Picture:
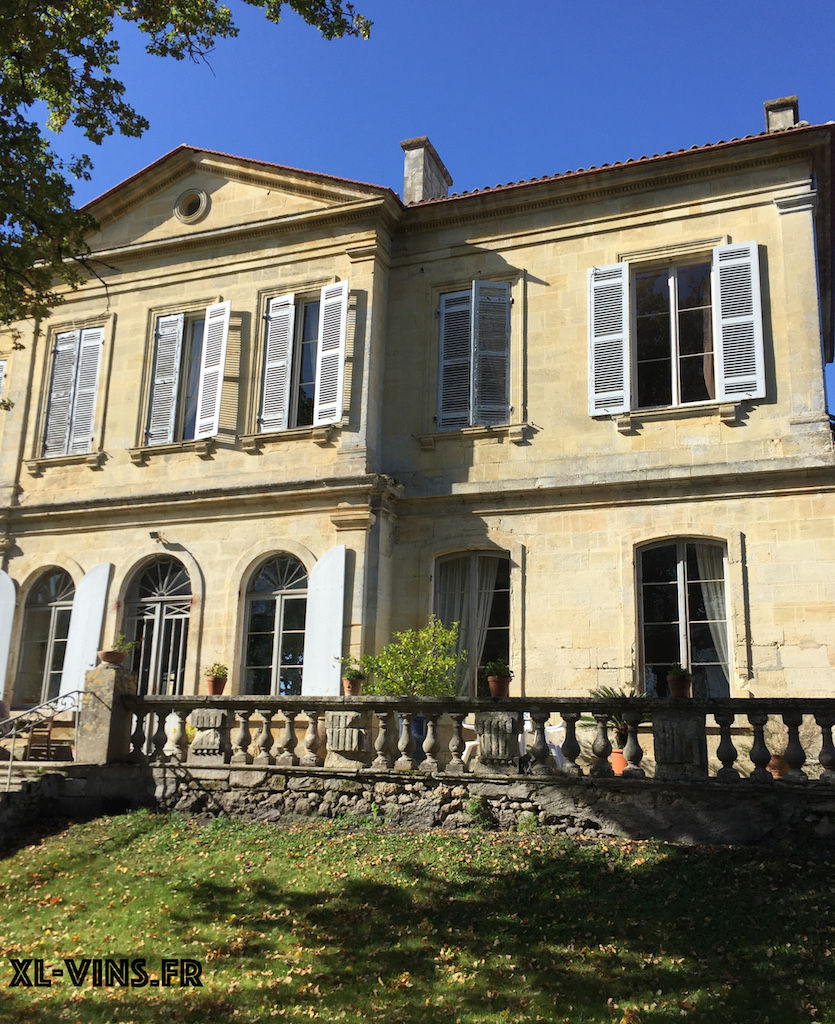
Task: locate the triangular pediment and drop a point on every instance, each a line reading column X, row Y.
column 190, row 191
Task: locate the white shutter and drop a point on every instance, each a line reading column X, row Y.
column 454, row 361
column 322, row 670
column 278, row 362
column 169, row 341
column 86, row 620
column 212, row 364
column 609, row 356
column 86, row 387
column 2, row 375
column 491, row 350
column 7, row 607
column 62, row 385
column 740, row 364
column 330, row 354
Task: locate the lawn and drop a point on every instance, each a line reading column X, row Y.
column 341, row 921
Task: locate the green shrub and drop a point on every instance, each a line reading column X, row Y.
column 417, row 663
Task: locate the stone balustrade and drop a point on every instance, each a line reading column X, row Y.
column 375, row 733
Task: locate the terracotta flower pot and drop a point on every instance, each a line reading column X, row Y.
column 778, row 766
column 113, row 657
column 351, row 687
column 499, row 685
column 215, row 685
column 619, row 762
column 679, row 686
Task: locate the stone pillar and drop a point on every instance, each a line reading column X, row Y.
column 210, row 745
column 498, row 743
column 424, row 174
column 680, row 746
column 104, row 724
column 349, row 738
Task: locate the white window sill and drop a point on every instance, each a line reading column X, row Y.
column 632, row 421
column 322, row 435
column 202, row 448
column 514, row 432
column 94, row 460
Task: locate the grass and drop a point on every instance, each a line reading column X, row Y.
column 340, row 922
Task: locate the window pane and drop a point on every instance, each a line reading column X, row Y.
column 696, row 378
column 290, row 682
column 702, row 648
column 693, row 286
column 662, row 644
column 195, row 354
column 261, row 616
column 652, row 292
column 660, row 602
column 655, row 386
column 294, row 613
column 259, row 649
column 658, row 565
column 292, row 649
column 258, row 681
column 652, row 338
column 695, row 334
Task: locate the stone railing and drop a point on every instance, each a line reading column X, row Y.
column 376, row 734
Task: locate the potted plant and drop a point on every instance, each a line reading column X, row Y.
column 216, row 678
column 499, row 674
column 678, row 680
column 417, row 663
column 352, row 676
column 118, row 653
column 617, row 722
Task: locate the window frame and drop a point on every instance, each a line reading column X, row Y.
column 55, row 607
column 166, row 412
column 281, row 597
column 79, row 429
column 280, row 358
column 737, row 326
column 163, row 612
column 479, row 412
column 685, row 620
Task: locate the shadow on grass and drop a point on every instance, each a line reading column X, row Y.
column 486, row 927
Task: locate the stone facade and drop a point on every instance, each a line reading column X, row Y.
column 562, row 500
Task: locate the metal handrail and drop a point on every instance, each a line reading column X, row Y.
column 26, row 721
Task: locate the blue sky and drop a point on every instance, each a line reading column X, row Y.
column 504, row 91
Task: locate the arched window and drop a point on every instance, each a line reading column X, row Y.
column 473, row 589
column 158, row 605
column 683, row 615
column 46, row 625
column 276, row 607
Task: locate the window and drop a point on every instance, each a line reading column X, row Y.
column 276, row 606
column 70, row 414
column 46, row 626
column 158, row 605
column 683, row 615
column 474, row 590
column 676, row 334
column 473, row 364
column 187, row 380
column 304, row 359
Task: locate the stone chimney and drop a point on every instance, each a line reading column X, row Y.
column 781, row 114
column 424, row 174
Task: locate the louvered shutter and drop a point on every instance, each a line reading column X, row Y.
column 8, row 598
column 455, row 354
column 323, row 626
column 330, row 354
column 62, row 385
column 609, row 357
column 491, row 351
column 740, row 364
column 212, row 364
column 278, row 362
column 2, row 375
column 169, row 341
column 86, row 388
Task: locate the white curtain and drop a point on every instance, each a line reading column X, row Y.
column 711, row 562
column 452, row 605
column 487, row 570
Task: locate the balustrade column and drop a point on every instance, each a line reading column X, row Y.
column 177, row 746
column 288, row 757
column 137, row 753
column 382, row 743
column 540, row 751
column 726, row 751
column 827, row 754
column 430, row 745
column 794, row 753
column 601, row 748
column 456, row 745
column 311, row 741
column 760, row 755
column 405, row 744
column 264, row 740
column 632, row 749
column 160, row 739
column 241, row 739
column 570, row 746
